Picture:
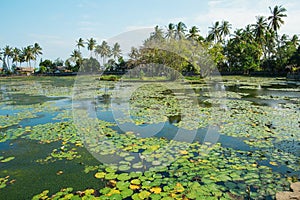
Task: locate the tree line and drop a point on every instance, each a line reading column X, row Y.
column 256, row 47
column 11, row 57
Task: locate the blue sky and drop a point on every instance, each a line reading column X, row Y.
column 57, row 24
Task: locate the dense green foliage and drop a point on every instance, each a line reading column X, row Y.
column 257, row 47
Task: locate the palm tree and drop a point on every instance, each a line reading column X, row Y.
column 157, row 34
column 80, row 43
column 116, row 51
column 133, row 57
column 91, row 44
column 295, row 40
column 277, row 13
column 16, row 56
column 260, row 29
column 214, row 32
column 180, row 29
column 7, row 53
column 103, row 50
column 28, row 55
column 170, row 31
column 76, row 55
column 193, row 33
column 224, row 30
column 36, row 50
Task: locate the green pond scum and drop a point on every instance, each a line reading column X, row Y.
column 43, row 152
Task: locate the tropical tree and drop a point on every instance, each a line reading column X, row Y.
column 28, row 55
column 276, row 18
column 36, row 50
column 80, row 43
column 116, row 51
column 170, row 31
column 259, row 29
column 180, row 30
column 16, row 56
column 295, row 40
column 133, row 57
column 224, row 30
column 193, row 33
column 77, row 59
column 91, row 44
column 103, row 50
column 157, row 34
column 7, row 53
column 214, row 33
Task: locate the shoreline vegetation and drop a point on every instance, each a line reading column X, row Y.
column 256, row 50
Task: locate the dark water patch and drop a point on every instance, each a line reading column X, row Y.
column 32, row 178
column 26, row 99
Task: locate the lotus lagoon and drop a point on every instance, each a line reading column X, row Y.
column 233, row 137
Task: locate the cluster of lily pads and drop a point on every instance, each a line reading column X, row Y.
column 136, row 167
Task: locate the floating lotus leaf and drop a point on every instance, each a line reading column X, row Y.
column 126, row 193
column 135, row 181
column 110, row 176
column 156, row 190
column 123, row 177
column 7, row 159
column 100, row 174
column 144, row 194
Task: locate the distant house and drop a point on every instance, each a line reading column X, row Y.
column 25, row 70
column 62, row 69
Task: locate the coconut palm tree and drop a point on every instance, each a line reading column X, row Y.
column 91, row 44
column 103, row 50
column 260, row 29
column 276, row 18
column 28, row 55
column 157, row 34
column 170, row 31
column 180, row 31
column 80, row 43
column 76, row 55
column 16, row 56
column 193, row 33
column 133, row 57
column 295, row 40
column 36, row 50
column 7, row 54
column 214, row 32
column 116, row 51
column 224, row 30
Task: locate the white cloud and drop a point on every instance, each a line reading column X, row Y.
column 243, row 12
